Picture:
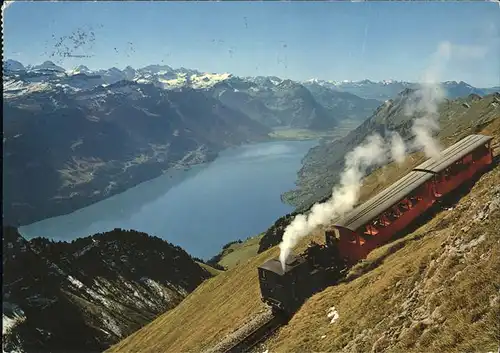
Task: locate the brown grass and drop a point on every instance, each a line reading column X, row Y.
column 240, row 252
column 216, row 308
column 450, row 294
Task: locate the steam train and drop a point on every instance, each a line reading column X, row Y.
column 372, row 224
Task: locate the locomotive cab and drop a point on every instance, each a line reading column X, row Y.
column 281, row 289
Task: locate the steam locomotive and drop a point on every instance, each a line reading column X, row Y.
column 372, row 224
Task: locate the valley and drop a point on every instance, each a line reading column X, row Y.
column 278, row 177
column 122, row 147
column 75, row 138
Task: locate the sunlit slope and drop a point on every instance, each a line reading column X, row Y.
column 222, row 304
column 436, row 290
column 218, row 307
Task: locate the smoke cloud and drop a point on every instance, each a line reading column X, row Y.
column 374, row 151
column 425, row 100
column 398, row 147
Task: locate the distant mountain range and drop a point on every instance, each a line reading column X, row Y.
column 272, row 101
column 166, row 77
column 389, row 89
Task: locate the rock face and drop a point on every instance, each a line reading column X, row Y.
column 90, row 293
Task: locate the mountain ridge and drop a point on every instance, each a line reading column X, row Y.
column 82, row 146
column 96, row 290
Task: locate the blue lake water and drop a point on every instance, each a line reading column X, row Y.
column 201, row 209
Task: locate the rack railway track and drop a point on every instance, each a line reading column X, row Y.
column 258, row 335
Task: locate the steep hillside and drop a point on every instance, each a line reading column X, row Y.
column 215, row 310
column 66, row 149
column 436, row 290
column 95, row 290
column 323, row 163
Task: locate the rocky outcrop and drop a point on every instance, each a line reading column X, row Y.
column 90, row 293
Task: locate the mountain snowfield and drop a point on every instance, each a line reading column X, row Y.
column 20, row 79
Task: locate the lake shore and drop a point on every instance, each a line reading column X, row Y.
column 143, row 173
column 234, row 196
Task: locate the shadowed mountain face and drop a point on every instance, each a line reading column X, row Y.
column 284, row 103
column 65, row 150
column 95, row 290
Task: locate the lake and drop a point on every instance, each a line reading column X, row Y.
column 200, row 209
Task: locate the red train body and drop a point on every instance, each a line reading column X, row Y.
column 380, row 218
column 373, row 223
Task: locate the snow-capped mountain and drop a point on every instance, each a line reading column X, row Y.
column 269, row 100
column 48, row 66
column 13, row 65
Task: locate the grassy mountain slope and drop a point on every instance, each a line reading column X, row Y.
column 224, row 303
column 233, row 253
column 436, row 290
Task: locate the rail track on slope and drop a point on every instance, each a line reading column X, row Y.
column 258, row 335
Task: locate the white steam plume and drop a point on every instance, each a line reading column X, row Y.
column 372, row 152
column 425, row 101
column 398, row 147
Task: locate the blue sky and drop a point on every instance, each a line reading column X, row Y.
column 297, row 40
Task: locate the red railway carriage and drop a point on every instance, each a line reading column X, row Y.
column 378, row 219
